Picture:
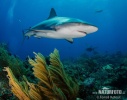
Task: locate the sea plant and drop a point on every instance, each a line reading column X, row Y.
column 7, row 59
column 53, row 82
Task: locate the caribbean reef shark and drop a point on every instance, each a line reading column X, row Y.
column 60, row 28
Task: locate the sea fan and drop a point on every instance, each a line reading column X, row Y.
column 20, row 89
column 54, row 83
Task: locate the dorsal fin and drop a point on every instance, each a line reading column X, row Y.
column 52, row 13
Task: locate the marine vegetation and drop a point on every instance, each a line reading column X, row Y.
column 18, row 67
column 13, row 61
column 7, row 59
column 53, row 82
column 49, row 78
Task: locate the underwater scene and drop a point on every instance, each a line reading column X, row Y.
column 63, row 50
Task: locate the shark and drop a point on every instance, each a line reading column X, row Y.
column 60, row 28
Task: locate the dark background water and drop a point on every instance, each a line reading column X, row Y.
column 16, row 15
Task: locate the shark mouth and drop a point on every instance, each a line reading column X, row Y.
column 83, row 32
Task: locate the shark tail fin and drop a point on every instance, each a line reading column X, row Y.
column 52, row 13
column 23, row 37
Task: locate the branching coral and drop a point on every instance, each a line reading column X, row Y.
column 54, row 83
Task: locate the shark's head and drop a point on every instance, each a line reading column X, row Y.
column 76, row 28
column 86, row 28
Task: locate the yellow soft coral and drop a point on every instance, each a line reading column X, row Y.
column 54, row 83
column 60, row 78
column 41, row 71
column 20, row 89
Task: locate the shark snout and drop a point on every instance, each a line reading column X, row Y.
column 91, row 29
column 86, row 29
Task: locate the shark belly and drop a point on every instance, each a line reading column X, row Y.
column 62, row 33
column 70, row 33
column 48, row 34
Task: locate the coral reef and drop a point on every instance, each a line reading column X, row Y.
column 7, row 59
column 17, row 66
column 98, row 71
column 47, row 78
column 53, row 82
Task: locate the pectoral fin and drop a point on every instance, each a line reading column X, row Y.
column 70, row 40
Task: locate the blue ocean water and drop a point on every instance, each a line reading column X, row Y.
column 110, row 16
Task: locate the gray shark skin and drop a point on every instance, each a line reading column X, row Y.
column 60, row 28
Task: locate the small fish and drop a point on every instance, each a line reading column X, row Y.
column 99, row 11
column 60, row 28
column 90, row 49
column 19, row 20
